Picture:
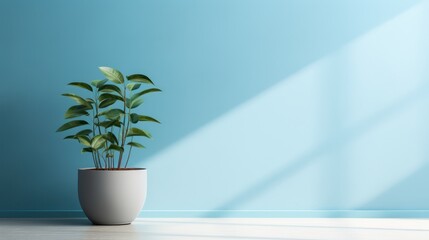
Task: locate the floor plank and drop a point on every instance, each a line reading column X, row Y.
column 219, row 228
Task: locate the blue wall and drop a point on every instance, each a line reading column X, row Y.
column 270, row 108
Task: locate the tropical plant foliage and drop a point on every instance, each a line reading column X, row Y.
column 107, row 120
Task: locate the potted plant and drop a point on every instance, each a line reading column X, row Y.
column 111, row 192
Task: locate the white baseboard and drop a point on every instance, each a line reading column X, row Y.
column 231, row 213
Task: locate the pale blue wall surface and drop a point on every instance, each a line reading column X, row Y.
column 267, row 105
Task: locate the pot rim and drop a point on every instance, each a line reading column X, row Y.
column 113, row 170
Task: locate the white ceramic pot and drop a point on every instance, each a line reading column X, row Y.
column 112, row 197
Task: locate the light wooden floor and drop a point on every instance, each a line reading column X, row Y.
column 219, row 228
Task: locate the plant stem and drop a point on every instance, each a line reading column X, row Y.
column 96, row 111
column 97, row 155
column 105, row 163
column 111, row 153
column 93, row 135
column 98, row 159
column 129, row 153
column 123, row 128
column 93, row 159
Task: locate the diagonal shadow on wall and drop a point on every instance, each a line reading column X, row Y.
column 411, row 191
column 198, row 103
column 330, row 146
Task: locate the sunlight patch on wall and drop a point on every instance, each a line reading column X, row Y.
column 387, row 86
column 332, row 136
column 245, row 145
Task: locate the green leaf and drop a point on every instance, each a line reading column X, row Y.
column 84, row 132
column 81, row 85
column 78, row 99
column 112, row 113
column 89, row 100
column 135, row 103
column 87, row 149
column 98, row 83
column 140, row 78
column 98, row 141
column 136, row 118
column 72, row 124
column 111, row 137
column 106, row 103
column 76, row 111
column 135, row 96
column 128, row 103
column 105, row 96
column 74, row 114
column 110, row 88
column 84, row 140
column 133, row 86
column 116, row 148
column 112, row 74
column 78, row 108
column 109, row 123
column 138, row 132
column 135, row 144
